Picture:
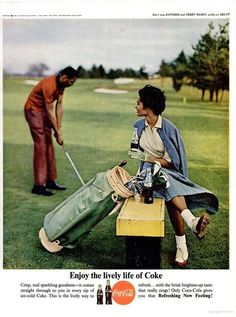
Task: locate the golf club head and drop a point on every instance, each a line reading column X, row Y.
column 123, row 163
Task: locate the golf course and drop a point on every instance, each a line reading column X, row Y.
column 97, row 129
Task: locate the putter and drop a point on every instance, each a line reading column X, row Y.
column 73, row 165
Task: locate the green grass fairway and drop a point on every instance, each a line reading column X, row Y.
column 97, row 129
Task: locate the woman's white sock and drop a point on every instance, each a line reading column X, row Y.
column 181, row 249
column 181, row 242
column 188, row 217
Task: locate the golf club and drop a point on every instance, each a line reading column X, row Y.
column 73, row 165
column 123, row 163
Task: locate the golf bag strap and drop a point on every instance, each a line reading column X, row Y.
column 117, row 177
column 119, row 203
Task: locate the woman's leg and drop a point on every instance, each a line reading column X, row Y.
column 175, row 218
column 179, row 213
column 197, row 225
column 179, row 203
column 180, row 238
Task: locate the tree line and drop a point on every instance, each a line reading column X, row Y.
column 37, row 70
column 207, row 68
column 100, row 72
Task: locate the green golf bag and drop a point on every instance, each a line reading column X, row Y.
column 79, row 213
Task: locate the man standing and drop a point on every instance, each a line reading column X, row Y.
column 43, row 112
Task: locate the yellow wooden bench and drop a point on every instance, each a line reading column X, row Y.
column 140, row 219
column 143, row 226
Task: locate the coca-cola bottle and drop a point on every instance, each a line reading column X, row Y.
column 99, row 295
column 148, row 187
column 108, row 293
column 134, row 141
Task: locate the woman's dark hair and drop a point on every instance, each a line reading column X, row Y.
column 70, row 72
column 153, row 98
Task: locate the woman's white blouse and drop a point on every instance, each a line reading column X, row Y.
column 151, row 142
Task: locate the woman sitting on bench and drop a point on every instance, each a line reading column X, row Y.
column 160, row 141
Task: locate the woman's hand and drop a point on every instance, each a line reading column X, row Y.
column 137, row 154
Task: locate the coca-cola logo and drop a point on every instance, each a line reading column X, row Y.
column 123, row 292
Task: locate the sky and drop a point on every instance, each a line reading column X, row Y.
column 114, row 43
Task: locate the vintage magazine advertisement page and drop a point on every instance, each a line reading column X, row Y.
column 117, row 158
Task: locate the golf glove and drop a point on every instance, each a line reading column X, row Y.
column 160, row 179
column 137, row 154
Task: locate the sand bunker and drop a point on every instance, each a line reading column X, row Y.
column 123, row 80
column 31, row 82
column 110, row 91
